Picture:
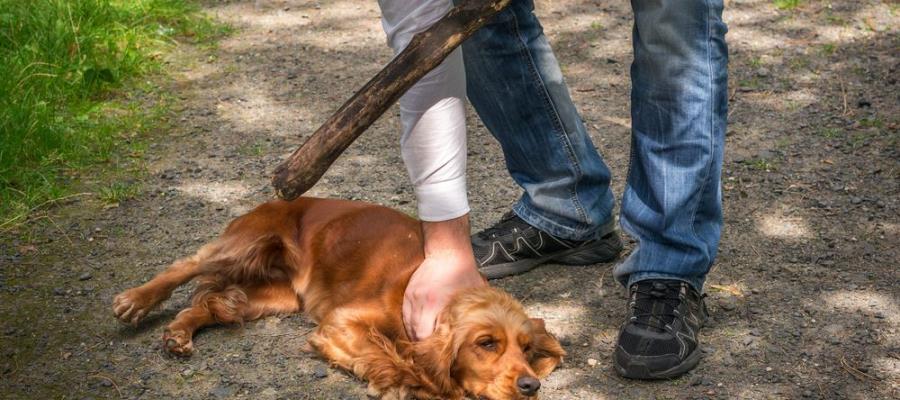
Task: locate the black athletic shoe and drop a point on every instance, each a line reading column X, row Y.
column 659, row 338
column 513, row 247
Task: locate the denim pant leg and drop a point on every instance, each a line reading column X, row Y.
column 673, row 202
column 517, row 88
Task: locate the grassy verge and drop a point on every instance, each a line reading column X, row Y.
column 74, row 98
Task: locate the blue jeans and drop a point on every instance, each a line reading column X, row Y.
column 672, row 202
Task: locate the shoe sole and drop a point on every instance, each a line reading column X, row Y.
column 638, row 370
column 605, row 250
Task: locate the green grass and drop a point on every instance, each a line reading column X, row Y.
column 786, row 4
column 74, row 97
column 760, row 164
column 118, row 192
column 830, row 133
column 755, row 62
column 872, row 122
column 256, row 149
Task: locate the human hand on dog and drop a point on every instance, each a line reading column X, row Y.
column 449, row 266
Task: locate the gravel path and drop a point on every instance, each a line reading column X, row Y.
column 805, row 296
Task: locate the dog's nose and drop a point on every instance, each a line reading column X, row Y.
column 528, row 386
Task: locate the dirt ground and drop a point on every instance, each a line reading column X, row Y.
column 805, row 295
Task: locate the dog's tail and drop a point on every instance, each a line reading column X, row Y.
column 245, row 260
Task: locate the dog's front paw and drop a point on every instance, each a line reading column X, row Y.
column 390, row 393
column 132, row 305
column 178, row 342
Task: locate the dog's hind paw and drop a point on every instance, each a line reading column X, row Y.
column 132, row 305
column 178, row 343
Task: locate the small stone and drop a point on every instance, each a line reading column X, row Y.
column 59, row 292
column 85, row 276
column 187, row 373
column 768, row 369
column 592, row 362
column 855, row 200
column 727, row 304
column 220, row 391
column 320, row 372
column 807, row 393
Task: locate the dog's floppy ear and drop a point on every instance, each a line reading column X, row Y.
column 547, row 352
column 436, row 355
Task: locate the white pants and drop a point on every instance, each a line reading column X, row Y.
column 432, row 115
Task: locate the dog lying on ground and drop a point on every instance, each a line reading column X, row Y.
column 346, row 264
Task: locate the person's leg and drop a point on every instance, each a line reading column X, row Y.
column 516, row 86
column 433, row 145
column 672, row 201
column 565, row 212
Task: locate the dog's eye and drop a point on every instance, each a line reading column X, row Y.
column 488, row 344
column 526, row 348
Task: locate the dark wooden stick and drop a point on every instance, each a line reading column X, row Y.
column 425, row 52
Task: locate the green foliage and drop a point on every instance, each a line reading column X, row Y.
column 755, row 62
column 786, row 4
column 118, row 192
column 871, row 122
column 64, row 66
column 830, row 133
column 761, row 164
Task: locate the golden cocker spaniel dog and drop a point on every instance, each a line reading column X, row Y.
column 346, row 264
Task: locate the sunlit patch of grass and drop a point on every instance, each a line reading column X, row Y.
column 70, row 97
column 118, row 192
column 786, row 4
column 761, row 164
column 828, row 49
column 596, row 25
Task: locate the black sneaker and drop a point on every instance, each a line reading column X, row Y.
column 513, row 247
column 659, row 338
